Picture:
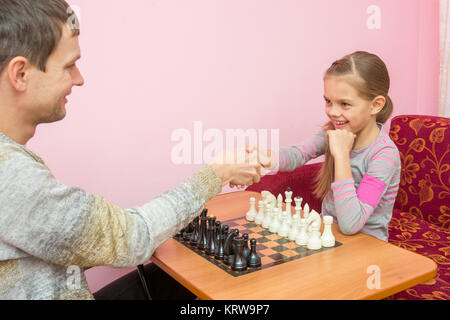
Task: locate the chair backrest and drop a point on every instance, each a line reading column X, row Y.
column 424, row 145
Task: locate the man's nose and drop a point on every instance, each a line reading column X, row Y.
column 78, row 79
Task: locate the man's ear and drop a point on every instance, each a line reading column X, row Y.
column 378, row 104
column 19, row 72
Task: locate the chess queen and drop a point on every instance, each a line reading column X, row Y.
column 360, row 177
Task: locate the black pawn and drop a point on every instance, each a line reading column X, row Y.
column 218, row 254
column 239, row 262
column 202, row 240
column 253, row 260
column 195, row 233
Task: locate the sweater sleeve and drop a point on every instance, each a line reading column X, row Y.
column 66, row 226
column 354, row 206
column 296, row 156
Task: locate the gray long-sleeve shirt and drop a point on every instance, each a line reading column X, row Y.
column 365, row 201
column 47, row 227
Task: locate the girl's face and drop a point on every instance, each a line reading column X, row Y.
column 345, row 108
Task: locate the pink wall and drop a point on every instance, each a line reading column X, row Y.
column 154, row 66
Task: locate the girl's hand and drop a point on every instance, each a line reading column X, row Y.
column 341, row 142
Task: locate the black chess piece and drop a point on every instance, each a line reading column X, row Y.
column 195, row 233
column 211, row 244
column 188, row 232
column 202, row 240
column 253, row 260
column 239, row 262
column 228, row 244
column 218, row 253
column 204, row 213
column 218, row 234
column 246, row 250
column 229, row 259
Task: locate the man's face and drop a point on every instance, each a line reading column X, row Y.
column 47, row 92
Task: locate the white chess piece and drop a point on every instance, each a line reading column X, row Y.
column 268, row 197
column 302, row 236
column 275, row 225
column 251, row 214
column 314, row 242
column 306, row 211
column 294, row 227
column 260, row 215
column 283, row 231
column 267, row 218
column 313, row 217
column 288, row 200
column 280, row 201
column 327, row 238
column 298, row 202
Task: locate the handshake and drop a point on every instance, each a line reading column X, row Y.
column 243, row 167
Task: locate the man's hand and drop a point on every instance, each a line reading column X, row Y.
column 237, row 167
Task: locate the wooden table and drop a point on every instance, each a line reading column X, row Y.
column 339, row 273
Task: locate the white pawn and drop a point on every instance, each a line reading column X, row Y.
column 260, row 215
column 283, row 231
column 327, row 238
column 294, row 227
column 275, row 225
column 251, row 214
column 302, row 237
column 267, row 218
column 314, row 242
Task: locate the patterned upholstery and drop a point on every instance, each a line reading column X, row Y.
column 421, row 216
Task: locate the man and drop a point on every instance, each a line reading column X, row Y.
column 46, row 226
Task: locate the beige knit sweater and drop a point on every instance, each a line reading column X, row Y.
column 48, row 229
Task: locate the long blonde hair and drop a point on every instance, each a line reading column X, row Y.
column 370, row 78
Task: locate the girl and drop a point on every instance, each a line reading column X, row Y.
column 361, row 173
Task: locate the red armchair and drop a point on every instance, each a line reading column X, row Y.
column 421, row 216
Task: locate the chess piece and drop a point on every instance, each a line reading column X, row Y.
column 327, row 238
column 239, row 262
column 268, row 197
column 195, row 233
column 260, row 215
column 253, row 260
column 313, row 217
column 288, row 201
column 275, row 224
column 218, row 253
column 280, row 202
column 298, row 202
column 211, row 243
column 202, row 240
column 251, row 214
column 314, row 242
column 227, row 246
column 268, row 217
column 306, row 211
column 294, row 229
column 302, row 236
column 246, row 250
column 283, row 230
column 218, row 234
column 188, row 231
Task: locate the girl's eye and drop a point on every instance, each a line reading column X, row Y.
column 345, row 104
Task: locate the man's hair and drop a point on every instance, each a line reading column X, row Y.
column 32, row 29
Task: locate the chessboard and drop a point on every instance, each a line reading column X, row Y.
column 272, row 248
